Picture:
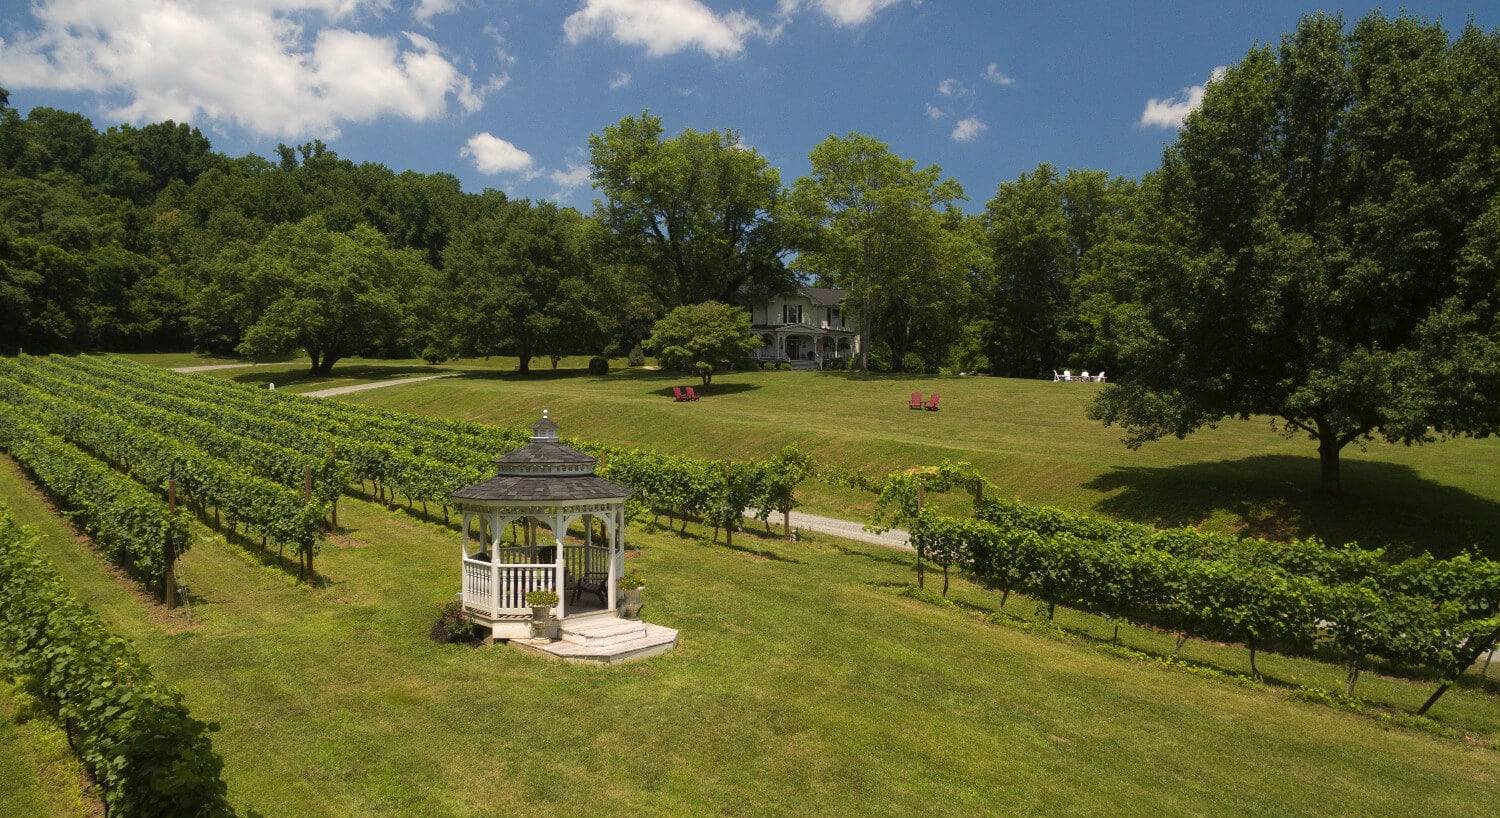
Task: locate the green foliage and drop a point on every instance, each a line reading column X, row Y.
column 306, row 287
column 133, row 733
column 453, row 623
column 277, row 512
column 1316, row 246
column 888, row 231
column 541, row 599
column 698, row 214
column 1294, row 596
column 702, row 338
column 1044, row 234
column 521, row 281
column 913, row 363
column 632, row 581
column 599, row 365
column 637, row 357
column 129, row 523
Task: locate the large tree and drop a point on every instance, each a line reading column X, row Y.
column 888, row 231
column 519, row 282
column 697, row 212
column 1322, row 244
column 306, row 287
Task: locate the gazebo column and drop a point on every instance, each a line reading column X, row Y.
column 496, row 530
column 615, row 533
column 562, row 564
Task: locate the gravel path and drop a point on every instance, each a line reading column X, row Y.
column 362, row 387
column 849, row 530
column 211, row 367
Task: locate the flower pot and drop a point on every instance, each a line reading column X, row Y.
column 543, row 624
column 632, row 607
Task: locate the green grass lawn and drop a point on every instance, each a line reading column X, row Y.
column 1031, row 437
column 803, row 683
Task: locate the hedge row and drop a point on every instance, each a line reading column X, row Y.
column 127, row 521
column 1220, row 598
column 133, row 733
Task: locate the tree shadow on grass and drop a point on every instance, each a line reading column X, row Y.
column 1384, row 505
column 706, row 392
column 377, row 372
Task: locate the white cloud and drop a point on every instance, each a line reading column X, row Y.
column 619, row 80
column 472, row 98
column 968, row 129
column 934, row 112
column 1172, row 112
column 664, row 26
column 492, row 155
column 501, row 52
column 574, row 176
column 277, row 67
column 843, row 12
column 424, row 10
column 993, row 74
column 953, row 88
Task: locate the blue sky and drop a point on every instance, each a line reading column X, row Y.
column 505, row 93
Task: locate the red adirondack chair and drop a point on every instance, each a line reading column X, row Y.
column 932, row 404
column 691, row 395
column 677, row 394
column 916, row 400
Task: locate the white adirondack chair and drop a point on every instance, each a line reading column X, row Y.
column 1086, row 377
column 1099, row 378
column 1055, row 377
column 1067, row 374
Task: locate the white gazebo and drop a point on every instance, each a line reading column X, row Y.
column 516, row 539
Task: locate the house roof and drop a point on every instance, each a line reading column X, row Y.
column 544, row 470
column 825, row 296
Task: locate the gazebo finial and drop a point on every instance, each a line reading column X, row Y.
column 544, row 429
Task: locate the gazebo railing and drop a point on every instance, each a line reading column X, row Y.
column 502, row 588
column 586, row 560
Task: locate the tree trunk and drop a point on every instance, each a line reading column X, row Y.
column 524, row 366
column 1254, row 671
column 1004, row 595
column 864, row 318
column 1328, row 459
column 1181, row 640
column 316, row 358
column 945, row 580
column 1431, row 700
column 1352, row 678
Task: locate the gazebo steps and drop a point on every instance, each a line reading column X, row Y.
column 605, row 641
column 601, row 632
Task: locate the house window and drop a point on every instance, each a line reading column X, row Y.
column 791, row 313
column 835, row 320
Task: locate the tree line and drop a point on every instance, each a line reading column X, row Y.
column 1320, row 245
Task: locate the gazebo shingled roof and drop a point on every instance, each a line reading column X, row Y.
column 544, row 470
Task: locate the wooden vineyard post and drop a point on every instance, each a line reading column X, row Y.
column 333, row 510
column 307, row 557
column 921, row 569
column 169, row 575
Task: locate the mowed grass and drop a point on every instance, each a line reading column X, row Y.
column 802, row 684
column 1032, row 438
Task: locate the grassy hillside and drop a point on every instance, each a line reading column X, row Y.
column 1030, row 437
column 803, row 683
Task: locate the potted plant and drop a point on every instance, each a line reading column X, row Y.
column 631, row 584
column 543, row 624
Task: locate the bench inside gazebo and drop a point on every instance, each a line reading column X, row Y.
column 546, row 522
